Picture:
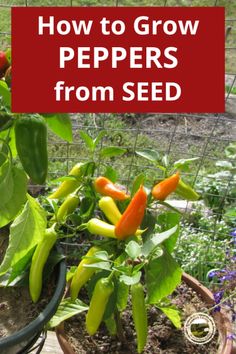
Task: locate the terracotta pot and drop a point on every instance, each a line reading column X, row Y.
column 221, row 319
column 223, row 323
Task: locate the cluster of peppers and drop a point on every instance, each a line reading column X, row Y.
column 43, row 249
column 122, row 226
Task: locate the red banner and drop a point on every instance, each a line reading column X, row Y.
column 125, row 59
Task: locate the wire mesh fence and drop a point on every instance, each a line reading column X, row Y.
column 179, row 136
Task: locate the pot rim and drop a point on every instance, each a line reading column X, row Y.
column 222, row 321
column 36, row 326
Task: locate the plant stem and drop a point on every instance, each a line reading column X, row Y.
column 223, row 301
column 120, row 331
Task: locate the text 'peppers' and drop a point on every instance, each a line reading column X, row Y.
column 161, row 190
column 133, row 215
column 31, row 145
column 101, row 294
column 82, row 274
column 104, row 186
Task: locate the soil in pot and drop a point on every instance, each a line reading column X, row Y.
column 16, row 307
column 163, row 337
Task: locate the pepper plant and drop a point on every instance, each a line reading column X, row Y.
column 130, row 252
column 131, row 236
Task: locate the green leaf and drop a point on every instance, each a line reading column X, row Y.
column 9, row 138
column 99, row 256
column 148, row 154
column 133, row 249
column 67, row 309
column 230, row 215
column 111, row 325
column 111, row 305
column 183, row 164
column 156, row 240
column 100, row 261
column 230, row 151
column 5, row 94
column 122, row 295
column 6, row 183
column 165, row 160
column 6, row 120
column 4, row 147
column 112, row 151
column 149, row 222
column 169, row 220
column 163, row 276
column 131, row 280
column 88, row 140
column 12, row 142
column 173, row 315
column 99, row 137
column 111, row 174
column 25, row 232
column 140, row 179
column 99, row 265
column 86, row 208
column 10, row 209
column 54, row 258
column 88, row 168
column 70, row 273
column 14, row 274
column 61, row 125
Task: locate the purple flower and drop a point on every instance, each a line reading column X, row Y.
column 231, row 336
column 217, row 309
column 227, row 277
column 212, row 274
column 218, row 296
column 233, row 233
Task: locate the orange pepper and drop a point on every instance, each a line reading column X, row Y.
column 161, row 190
column 132, row 216
column 105, row 187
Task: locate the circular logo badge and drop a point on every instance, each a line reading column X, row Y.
column 199, row 328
